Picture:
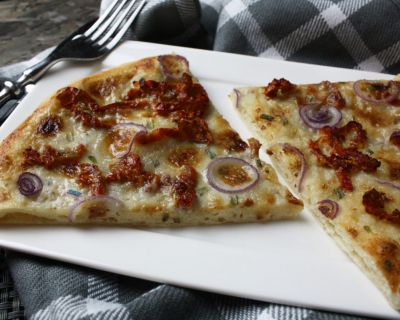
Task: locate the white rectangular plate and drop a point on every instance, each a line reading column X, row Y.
column 289, row 262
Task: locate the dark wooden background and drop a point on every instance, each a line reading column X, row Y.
column 29, row 26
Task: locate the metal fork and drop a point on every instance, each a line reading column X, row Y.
column 90, row 42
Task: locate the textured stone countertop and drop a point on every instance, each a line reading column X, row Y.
column 30, row 26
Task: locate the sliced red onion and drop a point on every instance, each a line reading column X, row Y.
column 389, row 183
column 358, row 90
column 328, row 208
column 169, row 72
column 123, row 125
column 395, row 137
column 317, row 116
column 107, row 202
column 218, row 184
column 238, row 96
column 29, row 184
column 303, row 168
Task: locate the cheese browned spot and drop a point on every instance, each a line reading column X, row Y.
column 230, row 140
column 50, row 125
column 374, row 204
column 233, row 175
column 255, row 146
column 181, row 156
column 387, row 255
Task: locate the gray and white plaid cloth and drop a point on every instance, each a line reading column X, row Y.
column 361, row 34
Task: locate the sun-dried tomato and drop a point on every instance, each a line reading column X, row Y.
column 183, row 187
column 51, row 158
column 89, row 175
column 129, row 169
column 276, row 86
column 374, row 204
column 345, row 160
column 181, row 95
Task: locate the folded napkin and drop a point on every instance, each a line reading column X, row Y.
column 362, row 34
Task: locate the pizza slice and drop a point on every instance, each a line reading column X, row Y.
column 142, row 145
column 338, row 146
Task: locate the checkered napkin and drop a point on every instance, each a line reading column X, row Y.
column 361, row 34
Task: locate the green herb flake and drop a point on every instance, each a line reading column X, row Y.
column 370, row 151
column 70, row 136
column 285, row 121
column 210, row 153
column 339, row 193
column 202, row 191
column 259, row 163
column 309, row 99
column 92, row 159
column 156, row 163
column 234, row 200
column 266, row 117
column 149, row 124
column 367, row 228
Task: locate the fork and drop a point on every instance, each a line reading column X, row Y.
column 88, row 43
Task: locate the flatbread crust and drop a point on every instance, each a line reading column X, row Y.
column 268, row 200
column 372, row 243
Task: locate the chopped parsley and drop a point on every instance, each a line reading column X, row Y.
column 156, row 163
column 309, row 99
column 266, row 117
column 70, row 136
column 149, row 124
column 370, row 151
column 367, row 228
column 210, row 153
column 92, row 159
column 234, row 200
column 202, row 191
column 259, row 163
column 339, row 193
column 285, row 121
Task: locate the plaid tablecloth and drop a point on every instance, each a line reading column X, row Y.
column 361, row 34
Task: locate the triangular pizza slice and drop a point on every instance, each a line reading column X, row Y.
column 338, row 146
column 139, row 144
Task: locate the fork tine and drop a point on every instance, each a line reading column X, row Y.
column 125, row 26
column 100, row 20
column 116, row 25
column 105, row 24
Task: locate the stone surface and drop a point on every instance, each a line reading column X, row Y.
column 30, row 26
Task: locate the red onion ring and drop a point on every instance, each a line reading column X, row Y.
column 168, row 72
column 392, row 96
column 317, row 116
column 388, row 183
column 114, row 202
column 29, row 184
column 328, row 208
column 125, row 125
column 220, row 185
column 394, row 137
column 238, row 96
column 303, row 169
